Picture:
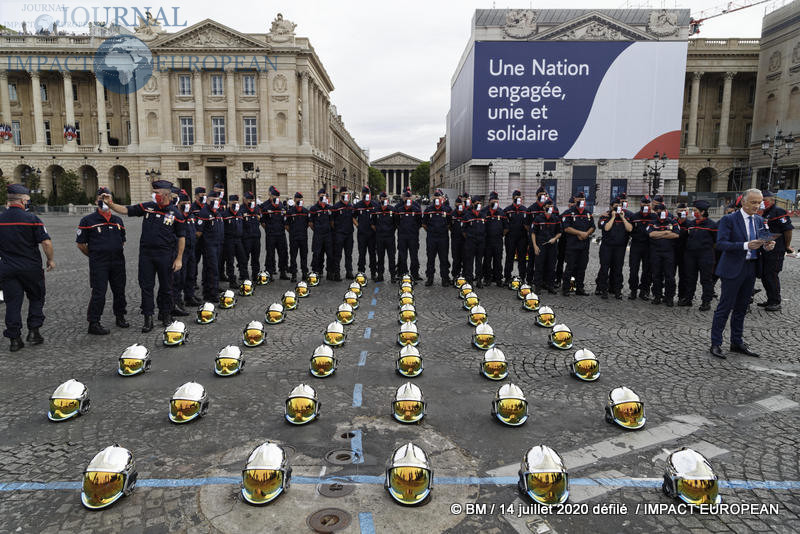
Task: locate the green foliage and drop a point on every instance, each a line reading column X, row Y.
column 34, row 182
column 3, row 192
column 69, row 190
column 376, row 180
column 421, row 178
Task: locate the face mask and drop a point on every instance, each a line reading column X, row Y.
column 408, row 203
column 367, row 197
column 494, row 205
column 203, row 199
column 154, row 196
column 220, row 193
column 436, row 202
column 645, row 209
column 186, row 208
column 236, row 207
column 618, row 209
column 683, row 215
column 697, row 215
column 624, row 205
column 517, row 201
column 102, row 205
column 550, row 210
column 27, row 205
column 582, row 204
column 385, row 202
column 468, row 203
column 542, row 199
column 663, row 215
column 276, row 200
column 762, row 206
column 216, row 204
column 252, row 205
column 346, row 198
column 175, row 201
column 477, row 207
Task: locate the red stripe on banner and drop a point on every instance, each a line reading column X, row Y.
column 668, row 143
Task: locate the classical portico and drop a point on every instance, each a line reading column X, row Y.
column 396, row 169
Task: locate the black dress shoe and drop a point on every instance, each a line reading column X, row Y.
column 96, row 329
column 716, row 350
column 16, row 344
column 499, row 283
column 581, row 293
column 429, row 282
column 148, row 324
column 643, row 295
column 445, row 282
column 284, row 276
column 705, row 306
column 121, row 322
column 632, row 296
column 763, row 304
column 350, row 276
column 179, row 312
column 478, row 284
column 669, row 303
column 618, row 296
column 773, row 308
column 393, row 279
column 34, row 336
column 743, row 349
column 565, row 293
column 552, row 290
column 166, row 320
column 684, row 302
column 598, row 292
column 656, row 301
column 192, row 301
column 294, row 277
column 603, row 295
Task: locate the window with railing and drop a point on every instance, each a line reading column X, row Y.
column 250, row 131
column 216, row 85
column 249, row 85
column 15, row 132
column 187, row 131
column 218, row 130
column 184, row 85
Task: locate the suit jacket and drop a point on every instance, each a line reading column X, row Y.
column 731, row 237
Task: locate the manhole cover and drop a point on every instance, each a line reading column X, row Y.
column 335, row 489
column 347, row 435
column 341, row 457
column 328, row 520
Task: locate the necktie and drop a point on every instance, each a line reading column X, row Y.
column 752, row 230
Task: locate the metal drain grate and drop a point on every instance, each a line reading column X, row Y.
column 335, row 489
column 341, row 457
column 328, row 520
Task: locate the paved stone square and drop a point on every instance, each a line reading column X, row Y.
column 742, row 413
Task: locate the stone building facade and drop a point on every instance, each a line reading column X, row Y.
column 396, row 169
column 219, row 106
column 439, row 165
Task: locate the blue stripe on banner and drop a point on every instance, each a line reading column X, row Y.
column 357, row 395
column 367, row 333
column 363, row 358
column 356, row 447
column 365, row 522
column 373, row 302
column 377, row 289
column 370, row 315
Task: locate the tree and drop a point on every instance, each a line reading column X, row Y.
column 376, row 180
column 421, row 178
column 69, row 190
column 3, row 191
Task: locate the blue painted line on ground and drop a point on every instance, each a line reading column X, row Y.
column 365, row 522
column 355, row 445
column 373, row 302
column 363, row 358
column 371, row 315
column 358, row 450
column 357, row 395
column 377, row 289
column 367, row 333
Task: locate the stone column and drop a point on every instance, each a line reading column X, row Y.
column 5, row 98
column 199, row 113
column 263, row 107
column 166, row 110
column 725, row 114
column 232, row 128
column 312, row 114
column 133, row 116
column 304, row 90
column 102, row 133
column 691, row 142
column 326, row 125
column 38, row 117
column 69, row 108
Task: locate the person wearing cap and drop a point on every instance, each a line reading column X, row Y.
column 496, row 225
column 435, row 220
column 101, row 237
column 160, row 248
column 21, row 274
column 662, row 230
column 273, row 219
column 343, row 215
column 182, row 287
column 251, row 234
column 233, row 249
column 473, row 228
column 297, row 218
column 639, row 256
column 210, row 232
column 200, row 198
column 320, row 218
column 409, row 222
column 779, row 225
column 578, row 227
column 562, row 243
column 616, row 227
column 535, row 209
column 685, row 218
column 219, row 192
column 384, row 221
column 365, row 234
column 545, row 233
column 699, row 255
column 516, row 240
column 457, row 237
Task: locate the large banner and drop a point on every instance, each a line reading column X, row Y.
column 573, row 99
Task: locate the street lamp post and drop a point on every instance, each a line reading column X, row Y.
column 773, row 146
column 494, row 176
column 652, row 174
column 152, row 175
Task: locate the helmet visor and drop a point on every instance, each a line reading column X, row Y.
column 465, row 291
column 300, row 410
column 352, row 301
column 173, row 338
column 471, row 302
column 301, row 291
column 226, row 302
column 408, row 299
column 484, row 341
column 361, row 279
column 274, row 316
column 312, row 280
column 460, row 281
column 546, row 488
column 130, row 366
column 289, row 302
column 629, row 414
column 205, row 316
column 562, row 340
column 515, row 284
column 587, row 369
column 322, row 366
column 63, row 408
column 523, row 291
column 704, row 491
column 408, row 411
column 227, row 366
column 408, row 338
column 546, row 319
column 409, row 365
column 344, row 317
column 253, row 337
column 334, row 338
column 101, row 488
column 495, row 370
column 409, row 485
column 260, row 486
column 246, row 289
column 512, row 411
column 531, row 304
column 182, row 410
column 477, row 318
column 408, row 316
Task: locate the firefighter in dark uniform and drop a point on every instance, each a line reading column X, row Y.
column 343, row 214
column 456, row 237
column 517, row 237
column 537, row 208
column 365, row 234
column 297, row 218
column 180, row 285
column 496, row 226
column 160, row 249
column 616, row 227
column 699, row 255
column 436, row 221
column 233, row 250
column 219, row 191
column 473, row 228
column 662, row 230
column 21, row 273
column 321, row 221
column 780, row 225
column 409, row 222
column 101, row 237
column 684, row 217
column 578, row 225
column 211, row 235
column 251, row 234
column 200, row 199
column 384, row 222
column 544, row 234
column 639, row 256
column 273, row 219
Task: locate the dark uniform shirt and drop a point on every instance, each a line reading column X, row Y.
column 343, row 218
column 534, row 210
column 657, row 225
column 251, row 221
column 640, row 221
column 495, row 221
column 362, row 211
column 20, row 233
column 273, row 217
column 455, row 220
column 210, row 224
column 162, row 226
column 297, row 222
column 409, row 218
column 321, row 217
column 701, row 235
column 473, row 225
column 546, row 228
column 581, row 221
column 101, row 234
column 517, row 219
column 617, row 236
column 778, row 222
column 384, row 220
column 436, row 221
column 234, row 225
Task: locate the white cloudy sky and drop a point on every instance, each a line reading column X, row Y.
column 391, row 62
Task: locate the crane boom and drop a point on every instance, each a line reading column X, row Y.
column 694, row 24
